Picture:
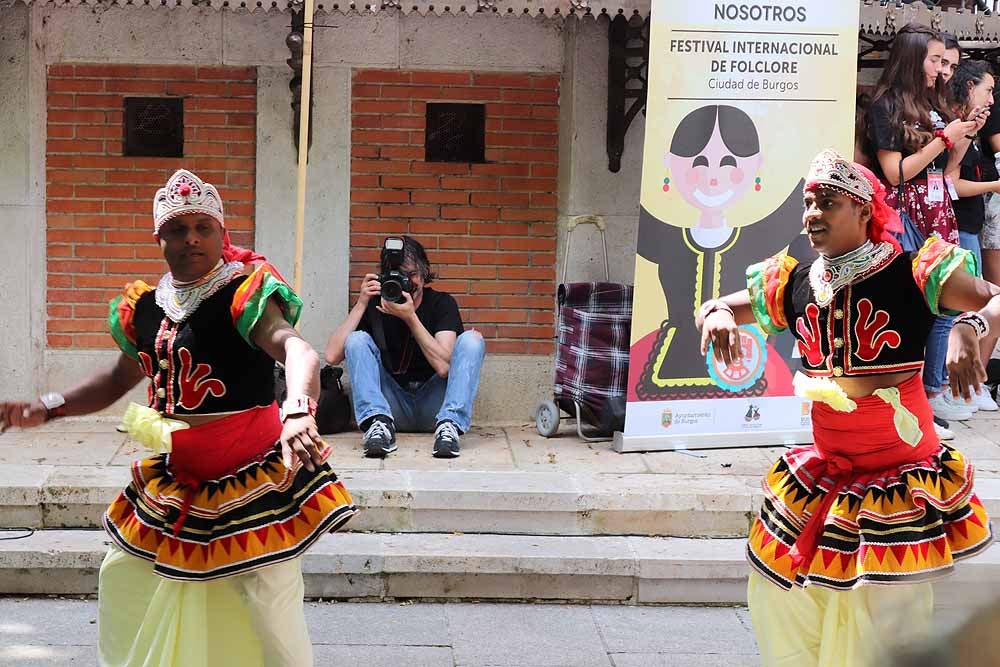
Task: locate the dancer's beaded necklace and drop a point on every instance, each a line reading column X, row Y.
column 829, row 274
column 180, row 299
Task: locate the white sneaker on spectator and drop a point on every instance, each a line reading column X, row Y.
column 960, row 402
column 943, row 433
column 948, row 410
column 984, row 401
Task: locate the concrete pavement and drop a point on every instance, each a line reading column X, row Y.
column 36, row 632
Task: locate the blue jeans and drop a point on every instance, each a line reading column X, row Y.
column 970, row 242
column 935, row 375
column 376, row 392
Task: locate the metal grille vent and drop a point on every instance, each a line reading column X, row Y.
column 154, row 126
column 455, row 133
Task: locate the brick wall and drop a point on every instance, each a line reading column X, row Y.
column 489, row 229
column 99, row 203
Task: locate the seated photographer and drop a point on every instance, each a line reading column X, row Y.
column 412, row 365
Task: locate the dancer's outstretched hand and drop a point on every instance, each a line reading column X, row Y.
column 21, row 414
column 965, row 368
column 720, row 329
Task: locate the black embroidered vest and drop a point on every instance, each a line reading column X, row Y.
column 201, row 365
column 875, row 325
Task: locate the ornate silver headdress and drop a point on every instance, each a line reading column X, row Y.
column 186, row 193
column 830, row 169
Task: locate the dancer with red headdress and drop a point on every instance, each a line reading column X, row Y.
column 203, row 569
column 855, row 526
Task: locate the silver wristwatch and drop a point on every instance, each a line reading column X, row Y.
column 54, row 405
column 294, row 407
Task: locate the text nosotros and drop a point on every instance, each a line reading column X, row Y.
column 747, row 12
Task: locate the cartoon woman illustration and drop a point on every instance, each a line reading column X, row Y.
column 714, row 161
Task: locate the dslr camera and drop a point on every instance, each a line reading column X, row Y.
column 394, row 282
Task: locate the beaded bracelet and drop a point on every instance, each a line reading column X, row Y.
column 976, row 321
column 948, row 143
column 710, row 307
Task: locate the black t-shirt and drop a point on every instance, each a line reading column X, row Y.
column 992, row 126
column 886, row 137
column 971, row 211
column 403, row 358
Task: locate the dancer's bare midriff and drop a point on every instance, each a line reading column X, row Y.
column 198, row 420
column 859, row 387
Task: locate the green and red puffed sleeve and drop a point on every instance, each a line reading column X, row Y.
column 934, row 263
column 766, row 282
column 251, row 298
column 121, row 315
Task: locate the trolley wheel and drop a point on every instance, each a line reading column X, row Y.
column 547, row 419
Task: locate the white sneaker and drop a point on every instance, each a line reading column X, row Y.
column 984, row 401
column 943, row 433
column 971, row 407
column 959, row 402
column 948, row 410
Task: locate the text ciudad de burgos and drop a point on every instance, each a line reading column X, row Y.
column 772, row 60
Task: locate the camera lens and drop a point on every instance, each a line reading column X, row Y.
column 392, row 291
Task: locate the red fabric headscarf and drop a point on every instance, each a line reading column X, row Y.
column 234, row 253
column 885, row 221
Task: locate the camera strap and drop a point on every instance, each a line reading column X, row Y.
column 378, row 333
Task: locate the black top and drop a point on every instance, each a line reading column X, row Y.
column 201, row 365
column 884, row 136
column 991, row 127
column 403, row 357
column 876, row 325
column 971, row 211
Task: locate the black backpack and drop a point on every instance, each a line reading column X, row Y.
column 333, row 409
column 992, row 375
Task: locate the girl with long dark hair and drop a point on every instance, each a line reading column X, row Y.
column 913, row 132
column 916, row 140
column 972, row 87
column 989, row 237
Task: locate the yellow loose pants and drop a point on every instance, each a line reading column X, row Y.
column 252, row 620
column 819, row 627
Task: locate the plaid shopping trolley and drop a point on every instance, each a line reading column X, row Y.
column 591, row 369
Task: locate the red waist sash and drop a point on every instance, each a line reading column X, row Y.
column 859, row 442
column 218, row 448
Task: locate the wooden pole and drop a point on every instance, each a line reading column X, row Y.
column 300, row 205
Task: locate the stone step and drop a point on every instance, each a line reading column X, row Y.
column 431, row 566
column 630, row 570
column 424, row 501
column 397, row 501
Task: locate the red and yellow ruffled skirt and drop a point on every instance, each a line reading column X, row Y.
column 861, row 506
column 222, row 502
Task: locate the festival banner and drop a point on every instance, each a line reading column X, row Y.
column 741, row 97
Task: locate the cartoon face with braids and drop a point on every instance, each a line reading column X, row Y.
column 714, row 161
